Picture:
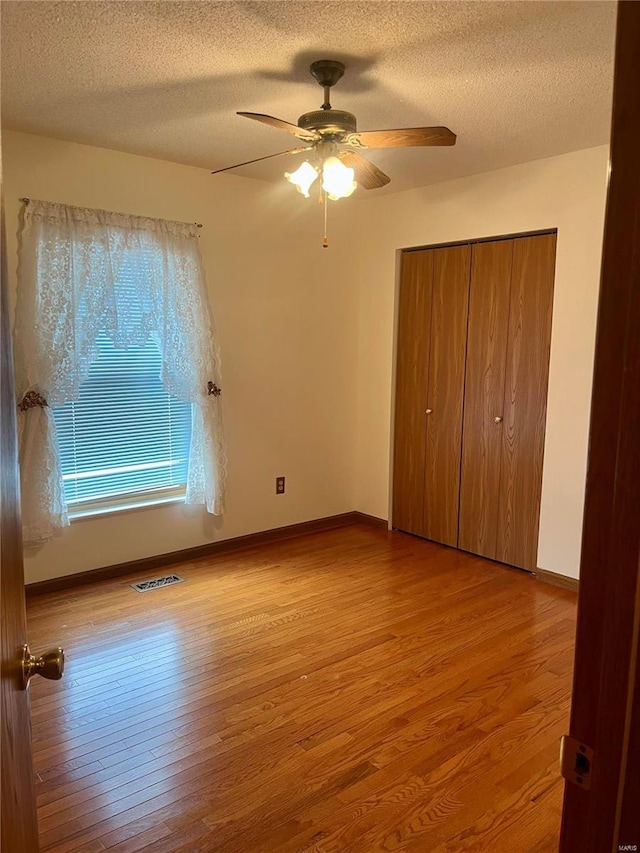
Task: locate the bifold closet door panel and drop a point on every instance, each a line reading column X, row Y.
column 449, row 308
column 525, row 399
column 484, row 394
column 412, row 366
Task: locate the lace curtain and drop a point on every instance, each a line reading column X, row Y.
column 69, row 289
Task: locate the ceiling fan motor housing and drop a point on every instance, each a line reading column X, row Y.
column 328, row 121
column 327, row 71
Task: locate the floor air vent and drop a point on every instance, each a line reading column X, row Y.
column 156, row 583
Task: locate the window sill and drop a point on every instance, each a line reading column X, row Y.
column 88, row 511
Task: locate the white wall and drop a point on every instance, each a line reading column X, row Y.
column 565, row 192
column 286, row 317
column 307, row 334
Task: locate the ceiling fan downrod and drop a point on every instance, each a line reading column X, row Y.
column 327, row 72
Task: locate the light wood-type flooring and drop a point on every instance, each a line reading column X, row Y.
column 349, row 691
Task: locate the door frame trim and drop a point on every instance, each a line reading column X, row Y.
column 607, row 642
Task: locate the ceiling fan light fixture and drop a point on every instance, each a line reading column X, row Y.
column 337, row 179
column 303, row 177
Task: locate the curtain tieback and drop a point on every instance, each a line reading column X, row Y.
column 212, row 388
column 32, row 399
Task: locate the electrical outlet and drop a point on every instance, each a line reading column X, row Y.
column 279, row 485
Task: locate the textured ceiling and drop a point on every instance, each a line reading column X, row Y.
column 516, row 81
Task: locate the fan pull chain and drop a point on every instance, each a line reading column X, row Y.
column 325, row 239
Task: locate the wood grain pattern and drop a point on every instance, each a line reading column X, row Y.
column 367, row 174
column 448, row 344
column 404, row 137
column 353, row 690
column 558, row 580
column 605, row 714
column 629, row 797
column 18, row 817
column 280, row 124
column 525, row 399
column 489, row 301
column 412, row 368
column 173, row 558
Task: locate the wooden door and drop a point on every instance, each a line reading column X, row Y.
column 412, row 367
column 489, row 299
column 445, row 395
column 19, row 827
column 525, row 399
column 605, row 714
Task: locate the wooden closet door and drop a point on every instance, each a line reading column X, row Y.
column 412, row 367
column 484, row 395
column 525, row 399
column 448, row 345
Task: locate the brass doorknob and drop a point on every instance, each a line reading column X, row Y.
column 498, row 419
column 48, row 665
column 428, row 412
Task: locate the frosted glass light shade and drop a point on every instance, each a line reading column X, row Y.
column 302, row 178
column 337, row 179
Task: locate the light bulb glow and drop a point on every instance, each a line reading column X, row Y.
column 337, row 179
column 302, row 178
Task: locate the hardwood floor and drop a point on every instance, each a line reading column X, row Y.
column 345, row 692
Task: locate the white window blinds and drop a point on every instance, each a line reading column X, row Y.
column 125, row 436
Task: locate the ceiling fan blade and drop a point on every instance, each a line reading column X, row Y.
column 367, row 174
column 401, row 138
column 279, row 124
column 258, row 159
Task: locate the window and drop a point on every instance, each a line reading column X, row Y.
column 114, row 338
column 125, row 440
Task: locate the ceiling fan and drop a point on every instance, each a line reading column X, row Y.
column 332, row 138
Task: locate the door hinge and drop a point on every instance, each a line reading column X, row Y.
column 576, row 761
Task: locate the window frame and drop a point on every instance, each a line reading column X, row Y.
column 127, row 503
